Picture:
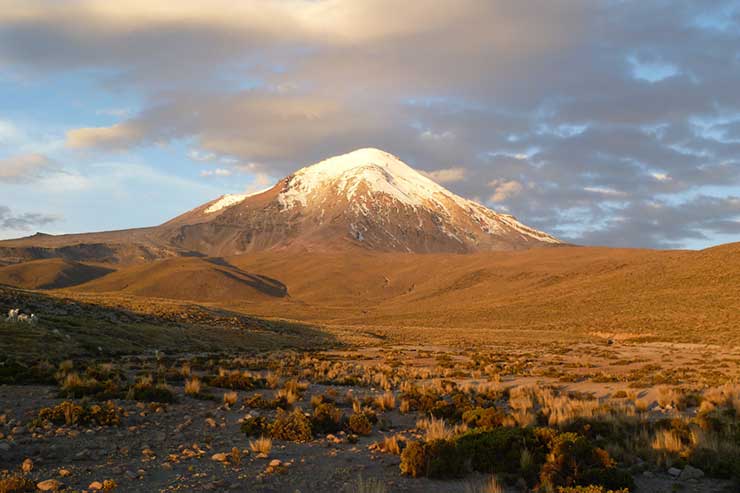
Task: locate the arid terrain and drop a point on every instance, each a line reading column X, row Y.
column 359, row 328
column 543, row 369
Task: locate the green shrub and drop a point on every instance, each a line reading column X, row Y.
column 327, row 418
column 255, row 426
column 575, row 461
column 236, row 380
column 15, row 483
column 259, row 402
column 360, row 423
column 69, row 413
column 444, row 460
column 144, row 390
column 500, row 450
column 291, row 426
column 413, row 461
column 479, row 417
column 14, row 373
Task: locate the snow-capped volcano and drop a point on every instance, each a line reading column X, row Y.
column 366, row 198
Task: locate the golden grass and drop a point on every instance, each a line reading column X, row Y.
column 193, row 386
column 230, row 398
column 261, row 446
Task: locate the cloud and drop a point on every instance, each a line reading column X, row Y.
column 216, row 172
column 23, row 168
column 504, row 189
column 25, row 221
column 116, row 137
column 448, row 175
column 610, row 107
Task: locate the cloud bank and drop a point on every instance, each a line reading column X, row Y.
column 603, row 122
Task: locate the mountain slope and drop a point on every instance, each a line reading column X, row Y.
column 366, row 199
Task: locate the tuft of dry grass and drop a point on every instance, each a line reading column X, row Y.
column 435, row 429
column 491, row 485
column 371, row 485
column 386, row 402
column 390, row 445
column 193, row 386
column 230, row 398
column 261, row 446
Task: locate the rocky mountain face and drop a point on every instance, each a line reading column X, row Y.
column 367, row 198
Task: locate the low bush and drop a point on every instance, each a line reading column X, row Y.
column 487, row 418
column 145, row 390
column 413, row 460
column 292, row 426
column 327, row 418
column 15, row 483
column 575, row 461
column 360, row 424
column 255, row 426
column 236, row 380
column 444, row 460
column 69, row 413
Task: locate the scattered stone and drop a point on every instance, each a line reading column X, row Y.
column 211, row 422
column 49, row 485
column 690, row 472
column 64, row 473
column 674, row 472
column 275, row 463
column 220, row 457
column 95, row 486
column 27, row 466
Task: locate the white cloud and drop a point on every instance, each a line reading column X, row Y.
column 216, row 172
column 504, row 189
column 449, row 175
column 605, row 191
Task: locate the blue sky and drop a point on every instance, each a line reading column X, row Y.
column 609, row 123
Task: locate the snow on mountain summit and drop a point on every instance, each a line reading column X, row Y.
column 380, row 171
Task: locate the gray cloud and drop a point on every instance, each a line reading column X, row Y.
column 562, row 101
column 25, row 221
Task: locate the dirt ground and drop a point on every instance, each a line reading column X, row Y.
column 171, row 447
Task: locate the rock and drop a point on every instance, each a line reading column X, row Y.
column 49, row 485
column 275, row 463
column 220, row 457
column 674, row 472
column 27, row 466
column 65, row 473
column 648, row 474
column 4, row 446
column 95, row 486
column 690, row 472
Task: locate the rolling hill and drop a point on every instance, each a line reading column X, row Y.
column 52, row 273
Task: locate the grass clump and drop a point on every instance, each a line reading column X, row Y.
column 15, row 483
column 236, row 380
column 261, row 446
column 145, row 390
column 327, row 418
